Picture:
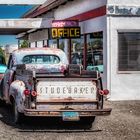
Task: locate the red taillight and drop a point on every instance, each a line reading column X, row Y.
column 104, row 92
column 34, row 93
column 26, row 92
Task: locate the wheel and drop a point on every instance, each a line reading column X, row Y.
column 17, row 116
column 87, row 121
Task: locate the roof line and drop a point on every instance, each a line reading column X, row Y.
column 30, row 11
column 49, row 5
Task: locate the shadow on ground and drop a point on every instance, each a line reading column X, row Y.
column 42, row 124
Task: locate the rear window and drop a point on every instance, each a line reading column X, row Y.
column 41, row 59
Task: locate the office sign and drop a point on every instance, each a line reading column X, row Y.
column 65, row 32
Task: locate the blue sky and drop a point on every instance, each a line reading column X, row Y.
column 11, row 12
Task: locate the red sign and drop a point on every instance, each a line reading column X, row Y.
column 65, row 23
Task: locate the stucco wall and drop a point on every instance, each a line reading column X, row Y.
column 122, row 86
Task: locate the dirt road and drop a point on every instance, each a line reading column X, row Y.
column 122, row 124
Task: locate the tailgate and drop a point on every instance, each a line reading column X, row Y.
column 72, row 89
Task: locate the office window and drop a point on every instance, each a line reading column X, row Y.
column 77, row 50
column 95, row 51
column 129, row 51
column 53, row 43
column 61, row 44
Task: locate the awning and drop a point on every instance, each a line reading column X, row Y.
column 16, row 26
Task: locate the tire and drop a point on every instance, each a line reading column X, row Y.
column 17, row 116
column 87, row 122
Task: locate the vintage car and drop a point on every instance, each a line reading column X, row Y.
column 40, row 82
column 3, row 66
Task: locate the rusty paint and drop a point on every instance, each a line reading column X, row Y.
column 85, row 102
column 19, row 55
column 68, row 101
column 66, row 106
column 52, row 113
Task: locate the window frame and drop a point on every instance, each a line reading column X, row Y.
column 127, row 71
column 42, row 55
column 10, row 62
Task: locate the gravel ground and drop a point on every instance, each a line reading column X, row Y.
column 122, row 124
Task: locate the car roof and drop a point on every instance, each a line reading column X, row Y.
column 36, row 49
column 20, row 53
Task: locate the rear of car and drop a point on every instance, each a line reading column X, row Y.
column 68, row 97
column 53, row 88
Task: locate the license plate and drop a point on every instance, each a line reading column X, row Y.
column 70, row 116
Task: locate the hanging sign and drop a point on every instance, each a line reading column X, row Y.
column 64, row 29
column 66, row 32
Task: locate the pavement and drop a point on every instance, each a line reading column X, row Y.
column 122, row 124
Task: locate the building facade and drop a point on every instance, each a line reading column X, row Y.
column 110, row 40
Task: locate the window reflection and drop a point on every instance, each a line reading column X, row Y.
column 95, row 51
column 129, row 51
column 41, row 59
column 77, row 50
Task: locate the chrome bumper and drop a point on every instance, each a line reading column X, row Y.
column 58, row 113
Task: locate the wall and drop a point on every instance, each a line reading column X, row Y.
column 38, row 35
column 77, row 7
column 124, row 2
column 122, row 86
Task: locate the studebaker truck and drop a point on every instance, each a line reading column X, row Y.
column 41, row 82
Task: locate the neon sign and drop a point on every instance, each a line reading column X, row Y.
column 65, row 32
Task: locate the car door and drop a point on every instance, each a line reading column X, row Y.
column 8, row 78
